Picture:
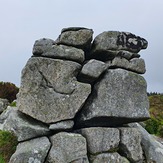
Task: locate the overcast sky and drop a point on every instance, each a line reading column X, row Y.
column 24, row 21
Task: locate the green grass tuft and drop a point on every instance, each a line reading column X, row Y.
column 13, row 104
column 155, row 124
column 8, row 143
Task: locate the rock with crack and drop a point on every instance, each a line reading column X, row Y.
column 135, row 65
column 111, row 54
column 67, row 147
column 130, row 144
column 101, row 139
column 115, row 40
column 91, row 71
column 34, row 150
column 62, row 126
column 120, row 97
column 108, row 158
column 58, row 51
column 49, row 90
column 153, row 149
column 126, row 54
column 81, row 160
column 23, row 126
column 77, row 37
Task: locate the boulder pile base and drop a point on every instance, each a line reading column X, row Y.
column 77, row 99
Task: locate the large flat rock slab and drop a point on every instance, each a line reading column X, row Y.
column 49, row 90
column 47, row 48
column 120, row 97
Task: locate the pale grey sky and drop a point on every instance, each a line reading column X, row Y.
column 23, row 22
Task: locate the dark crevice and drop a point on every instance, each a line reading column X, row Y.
column 89, row 99
column 56, row 57
column 105, row 121
column 31, row 120
column 45, row 160
column 35, row 137
column 120, row 67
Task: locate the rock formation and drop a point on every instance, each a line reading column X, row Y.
column 77, row 97
column 3, row 104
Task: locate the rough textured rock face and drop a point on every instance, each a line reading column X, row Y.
column 41, row 46
column 62, row 126
column 108, row 158
column 91, row 71
column 114, row 40
column 130, row 144
column 152, row 148
column 32, row 151
column 136, row 65
column 71, row 84
column 58, row 51
column 22, row 126
column 77, row 37
column 119, row 98
column 101, row 140
column 55, row 97
column 67, row 147
column 3, row 104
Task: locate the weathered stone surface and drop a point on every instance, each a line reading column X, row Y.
column 32, row 151
column 81, row 160
column 92, row 71
column 73, row 29
column 63, row 125
column 126, row 54
column 100, row 139
column 77, row 37
column 108, row 158
column 3, row 104
column 24, row 127
column 130, row 144
column 111, row 54
column 42, row 45
column 114, row 40
column 120, row 97
column 49, row 90
column 153, row 149
column 67, row 147
column 136, row 64
column 61, row 52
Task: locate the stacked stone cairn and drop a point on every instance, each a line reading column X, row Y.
column 77, row 97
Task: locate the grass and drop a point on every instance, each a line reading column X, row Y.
column 8, row 143
column 13, row 104
column 155, row 124
column 2, row 159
